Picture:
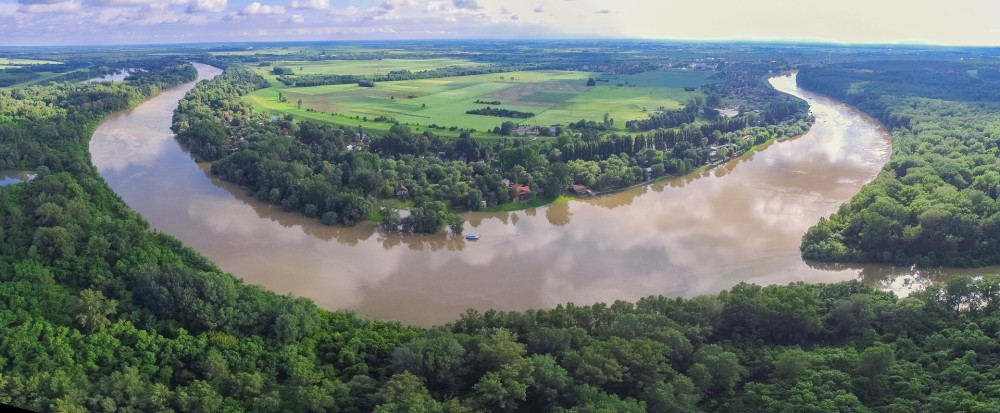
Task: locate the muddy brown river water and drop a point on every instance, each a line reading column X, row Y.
column 700, row 234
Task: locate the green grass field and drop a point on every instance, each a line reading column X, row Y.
column 668, row 78
column 273, row 51
column 555, row 97
column 366, row 67
column 6, row 63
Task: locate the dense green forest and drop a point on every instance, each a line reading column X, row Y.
column 936, row 201
column 342, row 175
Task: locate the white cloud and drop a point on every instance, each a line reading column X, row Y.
column 311, row 4
column 162, row 5
column 207, row 6
column 466, row 4
column 296, row 18
column 257, row 8
column 119, row 2
column 43, row 8
column 604, row 11
column 347, row 11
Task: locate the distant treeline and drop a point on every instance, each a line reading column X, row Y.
column 333, row 79
column 487, row 102
column 41, row 123
column 499, row 112
column 936, row 201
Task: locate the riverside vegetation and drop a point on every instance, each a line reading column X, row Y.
column 98, row 313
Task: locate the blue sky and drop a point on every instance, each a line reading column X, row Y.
column 71, row 22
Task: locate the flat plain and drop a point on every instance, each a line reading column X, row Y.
column 554, row 97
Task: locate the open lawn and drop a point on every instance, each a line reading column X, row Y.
column 6, row 63
column 366, row 67
column 555, row 97
column 275, row 51
column 668, row 78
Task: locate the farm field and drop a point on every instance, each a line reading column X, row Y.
column 555, row 97
column 364, row 67
column 669, row 78
column 9, row 63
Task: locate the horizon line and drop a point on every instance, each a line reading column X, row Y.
column 787, row 41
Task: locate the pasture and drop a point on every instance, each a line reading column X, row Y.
column 8, row 62
column 364, row 67
column 667, row 78
column 555, row 97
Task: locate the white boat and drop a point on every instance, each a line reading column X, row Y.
column 472, row 237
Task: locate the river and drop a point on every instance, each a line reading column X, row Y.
column 741, row 221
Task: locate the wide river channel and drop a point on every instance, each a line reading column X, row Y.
column 700, row 234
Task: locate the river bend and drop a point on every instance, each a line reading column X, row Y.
column 700, row 234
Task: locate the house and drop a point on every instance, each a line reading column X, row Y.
column 523, row 192
column 580, row 190
column 402, row 191
column 534, row 130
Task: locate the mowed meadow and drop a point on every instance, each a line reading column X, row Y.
column 555, row 97
column 6, row 63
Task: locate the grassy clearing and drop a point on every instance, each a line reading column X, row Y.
column 366, row 67
column 555, row 97
column 275, row 51
column 668, row 78
column 8, row 63
column 620, row 103
column 534, row 203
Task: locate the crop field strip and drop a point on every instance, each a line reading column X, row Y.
column 555, row 97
